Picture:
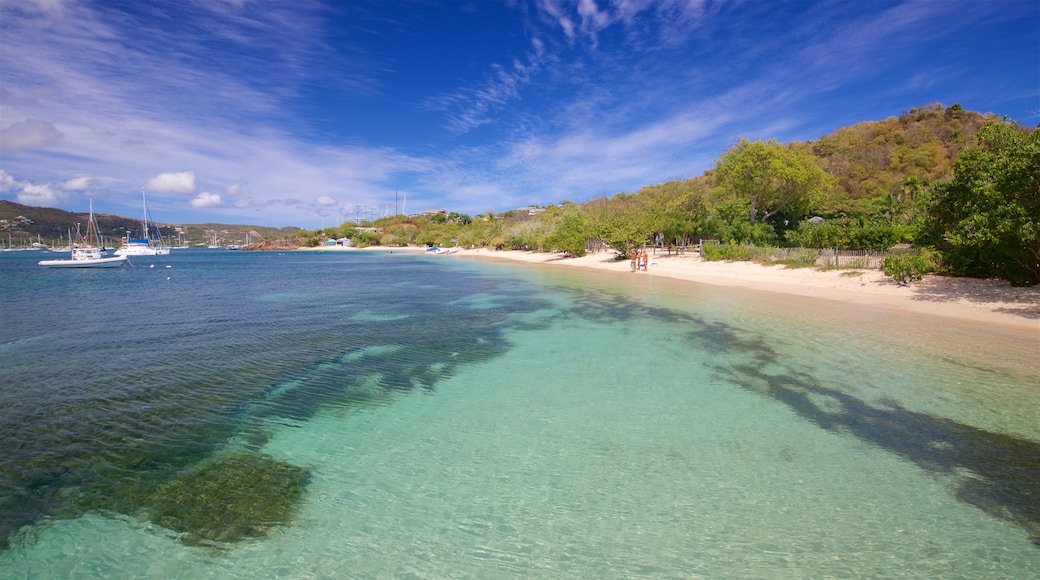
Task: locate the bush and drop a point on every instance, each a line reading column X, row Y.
column 713, row 252
column 849, row 235
column 793, row 257
column 910, row 267
column 365, row 239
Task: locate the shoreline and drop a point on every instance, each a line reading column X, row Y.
column 989, row 302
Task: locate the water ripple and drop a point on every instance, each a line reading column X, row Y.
column 121, row 380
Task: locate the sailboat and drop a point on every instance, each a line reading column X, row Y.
column 146, row 246
column 87, row 250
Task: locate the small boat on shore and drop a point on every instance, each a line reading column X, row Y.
column 436, row 250
column 87, row 250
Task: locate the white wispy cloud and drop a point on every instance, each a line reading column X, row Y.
column 7, row 183
column 28, row 193
column 650, row 22
column 182, row 182
column 472, row 107
column 79, row 184
column 206, row 199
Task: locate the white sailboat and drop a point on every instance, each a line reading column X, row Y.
column 87, row 250
column 146, row 246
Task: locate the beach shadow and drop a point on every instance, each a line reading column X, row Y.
column 607, row 258
column 1024, row 302
column 559, row 257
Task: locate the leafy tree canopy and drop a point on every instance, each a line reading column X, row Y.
column 570, row 233
column 772, row 178
column 986, row 219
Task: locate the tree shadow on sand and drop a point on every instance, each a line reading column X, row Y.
column 1024, row 302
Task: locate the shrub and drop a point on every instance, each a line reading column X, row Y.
column 729, row 251
column 909, row 267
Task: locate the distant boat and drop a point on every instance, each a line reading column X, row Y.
column 146, row 246
column 87, row 250
column 214, row 245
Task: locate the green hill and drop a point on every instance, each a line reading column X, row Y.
column 872, row 160
column 23, row 224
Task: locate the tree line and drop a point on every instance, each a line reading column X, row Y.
column 961, row 186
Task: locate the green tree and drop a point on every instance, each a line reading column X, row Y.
column 728, row 222
column 986, row 219
column 570, row 233
column 825, row 234
column 675, row 210
column 620, row 222
column 365, row 239
column 525, row 235
column 772, row 178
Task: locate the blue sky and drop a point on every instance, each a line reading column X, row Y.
column 310, row 113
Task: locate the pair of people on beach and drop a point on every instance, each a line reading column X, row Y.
column 638, row 262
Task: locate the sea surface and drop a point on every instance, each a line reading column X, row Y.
column 220, row 414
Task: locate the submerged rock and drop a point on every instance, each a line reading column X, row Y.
column 230, row 498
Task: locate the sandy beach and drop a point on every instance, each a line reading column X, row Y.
column 991, row 302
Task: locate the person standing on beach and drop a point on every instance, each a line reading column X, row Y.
column 634, row 254
column 646, row 260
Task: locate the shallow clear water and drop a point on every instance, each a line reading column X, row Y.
column 474, row 419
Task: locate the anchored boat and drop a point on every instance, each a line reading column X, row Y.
column 87, row 250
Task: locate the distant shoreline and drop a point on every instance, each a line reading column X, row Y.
column 989, row 302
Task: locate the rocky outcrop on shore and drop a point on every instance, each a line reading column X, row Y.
column 279, row 245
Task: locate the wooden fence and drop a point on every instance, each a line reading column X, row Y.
column 865, row 259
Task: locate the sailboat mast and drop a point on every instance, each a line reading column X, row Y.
column 144, row 216
column 91, row 234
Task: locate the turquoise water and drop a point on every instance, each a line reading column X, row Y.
column 475, row 419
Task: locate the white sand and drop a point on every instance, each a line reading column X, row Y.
column 991, row 302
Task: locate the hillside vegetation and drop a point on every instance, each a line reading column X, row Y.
column 960, row 185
